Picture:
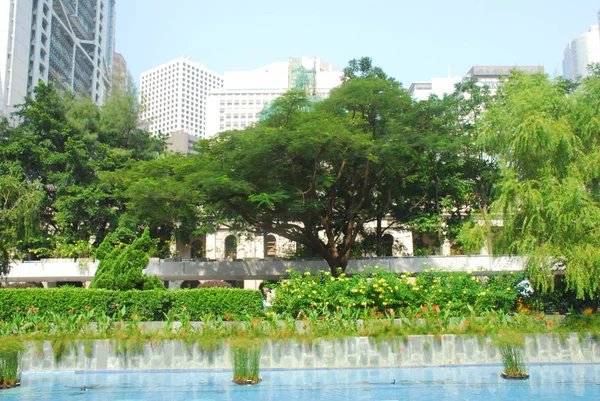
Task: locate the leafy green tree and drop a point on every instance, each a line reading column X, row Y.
column 315, row 174
column 64, row 143
column 156, row 196
column 121, row 266
column 19, row 211
column 453, row 177
column 546, row 137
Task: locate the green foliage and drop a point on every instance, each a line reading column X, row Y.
column 512, row 349
column 246, row 361
column 122, row 268
column 379, row 291
column 232, row 303
column 19, row 214
column 61, row 146
column 315, row 173
column 10, row 362
column 546, row 140
column 142, row 305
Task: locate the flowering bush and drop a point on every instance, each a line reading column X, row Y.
column 379, row 291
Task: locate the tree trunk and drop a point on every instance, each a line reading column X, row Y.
column 378, row 234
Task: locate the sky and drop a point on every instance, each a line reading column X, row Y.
column 412, row 40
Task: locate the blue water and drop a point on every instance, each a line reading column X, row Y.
column 547, row 382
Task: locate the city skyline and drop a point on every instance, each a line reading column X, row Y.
column 410, row 42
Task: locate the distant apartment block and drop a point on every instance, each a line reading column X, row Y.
column 580, row 52
column 245, row 94
column 69, row 42
column 437, row 86
column 173, row 97
column 490, row 76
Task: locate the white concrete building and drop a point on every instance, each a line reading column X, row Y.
column 437, row 86
column 173, row 96
column 245, row 94
column 581, row 51
column 70, row 42
column 492, row 75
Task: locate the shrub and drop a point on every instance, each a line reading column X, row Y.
column 230, row 302
column 122, row 267
column 381, row 291
column 145, row 305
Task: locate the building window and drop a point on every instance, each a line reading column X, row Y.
column 387, row 245
column 271, row 246
column 231, row 247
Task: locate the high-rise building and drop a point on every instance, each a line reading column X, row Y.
column 173, row 96
column 580, row 52
column 245, row 94
column 69, row 42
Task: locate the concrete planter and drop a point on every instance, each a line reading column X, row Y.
column 354, row 352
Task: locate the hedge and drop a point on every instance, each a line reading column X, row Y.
column 147, row 305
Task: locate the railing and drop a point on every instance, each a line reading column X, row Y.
column 71, row 270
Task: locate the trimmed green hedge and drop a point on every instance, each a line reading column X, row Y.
column 147, row 305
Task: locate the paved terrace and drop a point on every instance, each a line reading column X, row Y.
column 74, row 270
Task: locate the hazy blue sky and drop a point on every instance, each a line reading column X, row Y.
column 411, row 40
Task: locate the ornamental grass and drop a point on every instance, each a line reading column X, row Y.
column 10, row 363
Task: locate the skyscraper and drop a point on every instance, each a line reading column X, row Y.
column 580, row 52
column 69, row 42
column 173, row 96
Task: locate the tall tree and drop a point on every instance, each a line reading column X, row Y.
column 19, row 214
column 546, row 138
column 315, row 173
column 64, row 142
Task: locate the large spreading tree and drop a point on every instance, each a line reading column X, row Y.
column 316, row 173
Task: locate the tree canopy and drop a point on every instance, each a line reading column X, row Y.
column 317, row 173
column 63, row 143
column 545, row 135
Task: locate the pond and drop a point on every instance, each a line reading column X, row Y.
column 547, row 382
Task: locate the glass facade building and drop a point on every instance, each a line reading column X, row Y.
column 69, row 42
